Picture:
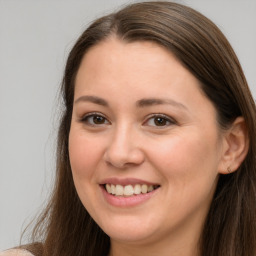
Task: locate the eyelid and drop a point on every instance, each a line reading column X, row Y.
column 91, row 114
column 166, row 117
column 169, row 119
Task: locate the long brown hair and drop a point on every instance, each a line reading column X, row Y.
column 65, row 227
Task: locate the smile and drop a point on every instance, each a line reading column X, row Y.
column 129, row 190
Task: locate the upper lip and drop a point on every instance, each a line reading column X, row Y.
column 125, row 181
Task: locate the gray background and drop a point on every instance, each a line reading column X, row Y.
column 35, row 38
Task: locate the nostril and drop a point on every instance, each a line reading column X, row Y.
column 123, row 158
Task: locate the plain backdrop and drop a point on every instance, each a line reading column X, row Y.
column 35, row 38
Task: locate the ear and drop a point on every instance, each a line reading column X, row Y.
column 235, row 147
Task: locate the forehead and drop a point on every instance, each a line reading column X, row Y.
column 133, row 61
column 124, row 73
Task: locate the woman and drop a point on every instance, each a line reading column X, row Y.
column 156, row 147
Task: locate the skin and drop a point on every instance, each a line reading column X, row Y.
column 184, row 155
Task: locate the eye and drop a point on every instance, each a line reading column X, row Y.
column 94, row 119
column 159, row 120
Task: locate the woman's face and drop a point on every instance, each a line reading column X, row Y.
column 143, row 130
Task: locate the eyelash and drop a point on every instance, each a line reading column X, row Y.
column 167, row 121
column 164, row 118
column 85, row 119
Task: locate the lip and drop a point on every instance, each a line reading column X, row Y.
column 126, row 181
column 126, row 201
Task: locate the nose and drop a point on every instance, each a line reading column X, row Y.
column 124, row 149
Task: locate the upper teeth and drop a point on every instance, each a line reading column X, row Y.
column 128, row 190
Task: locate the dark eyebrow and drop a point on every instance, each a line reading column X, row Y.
column 156, row 101
column 139, row 103
column 92, row 99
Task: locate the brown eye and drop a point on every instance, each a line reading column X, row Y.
column 94, row 120
column 98, row 120
column 160, row 121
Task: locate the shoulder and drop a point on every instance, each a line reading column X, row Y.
column 16, row 252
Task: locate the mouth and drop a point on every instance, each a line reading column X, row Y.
column 119, row 190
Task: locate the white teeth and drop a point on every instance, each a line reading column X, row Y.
column 129, row 190
column 137, row 189
column 108, row 188
column 113, row 189
column 150, row 188
column 144, row 189
column 119, row 190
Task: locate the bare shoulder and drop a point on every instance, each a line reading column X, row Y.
column 16, row 252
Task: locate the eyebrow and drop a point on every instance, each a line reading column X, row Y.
column 92, row 99
column 140, row 103
column 156, row 101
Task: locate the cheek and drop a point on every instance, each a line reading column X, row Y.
column 188, row 163
column 190, row 176
column 84, row 155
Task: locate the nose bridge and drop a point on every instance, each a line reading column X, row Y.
column 124, row 147
column 122, row 136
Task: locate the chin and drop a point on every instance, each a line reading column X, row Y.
column 130, row 230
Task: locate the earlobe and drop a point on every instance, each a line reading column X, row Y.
column 235, row 147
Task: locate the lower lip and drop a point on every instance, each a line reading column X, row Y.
column 121, row 201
